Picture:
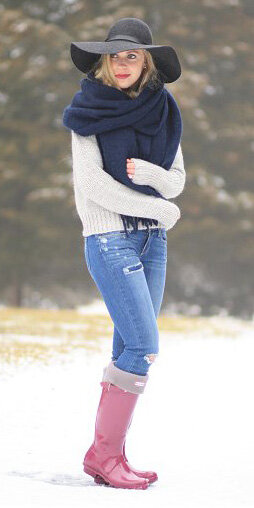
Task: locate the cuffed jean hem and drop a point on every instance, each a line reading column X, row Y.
column 135, row 362
column 125, row 380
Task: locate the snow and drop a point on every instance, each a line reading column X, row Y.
column 96, row 307
column 193, row 425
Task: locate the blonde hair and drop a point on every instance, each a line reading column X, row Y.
column 102, row 70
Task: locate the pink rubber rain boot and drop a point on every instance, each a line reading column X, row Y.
column 114, row 373
column 105, row 456
column 150, row 475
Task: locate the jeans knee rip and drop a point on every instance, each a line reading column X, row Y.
column 133, row 268
column 150, row 358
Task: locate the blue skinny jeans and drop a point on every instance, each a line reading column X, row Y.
column 130, row 273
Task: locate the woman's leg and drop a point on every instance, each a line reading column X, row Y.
column 154, row 260
column 116, row 267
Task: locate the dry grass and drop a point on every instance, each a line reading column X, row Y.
column 37, row 334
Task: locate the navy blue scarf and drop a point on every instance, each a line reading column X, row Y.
column 148, row 127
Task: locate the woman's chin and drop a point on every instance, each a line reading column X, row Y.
column 124, row 85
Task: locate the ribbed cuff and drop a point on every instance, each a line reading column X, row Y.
column 143, row 174
column 128, row 381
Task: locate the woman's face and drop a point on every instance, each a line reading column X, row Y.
column 127, row 66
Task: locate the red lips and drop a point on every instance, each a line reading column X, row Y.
column 122, row 75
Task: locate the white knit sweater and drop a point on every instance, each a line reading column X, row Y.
column 100, row 199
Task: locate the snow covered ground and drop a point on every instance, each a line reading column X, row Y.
column 193, row 425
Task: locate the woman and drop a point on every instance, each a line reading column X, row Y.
column 123, row 112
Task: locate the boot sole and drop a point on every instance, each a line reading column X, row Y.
column 98, row 477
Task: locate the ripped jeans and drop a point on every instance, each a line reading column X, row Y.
column 130, row 273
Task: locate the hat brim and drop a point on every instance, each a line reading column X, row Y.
column 85, row 54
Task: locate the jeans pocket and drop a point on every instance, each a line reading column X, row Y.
column 112, row 241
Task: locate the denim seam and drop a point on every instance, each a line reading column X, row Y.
column 87, row 254
column 146, row 243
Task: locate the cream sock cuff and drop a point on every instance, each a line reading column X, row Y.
column 128, row 381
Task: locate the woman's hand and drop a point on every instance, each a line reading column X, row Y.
column 130, row 168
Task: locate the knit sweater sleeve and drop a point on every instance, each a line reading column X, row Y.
column 169, row 183
column 97, row 185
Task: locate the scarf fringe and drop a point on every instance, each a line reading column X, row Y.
column 133, row 221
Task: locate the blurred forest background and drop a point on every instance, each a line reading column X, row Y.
column 211, row 249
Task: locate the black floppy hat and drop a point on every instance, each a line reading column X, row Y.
column 128, row 33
